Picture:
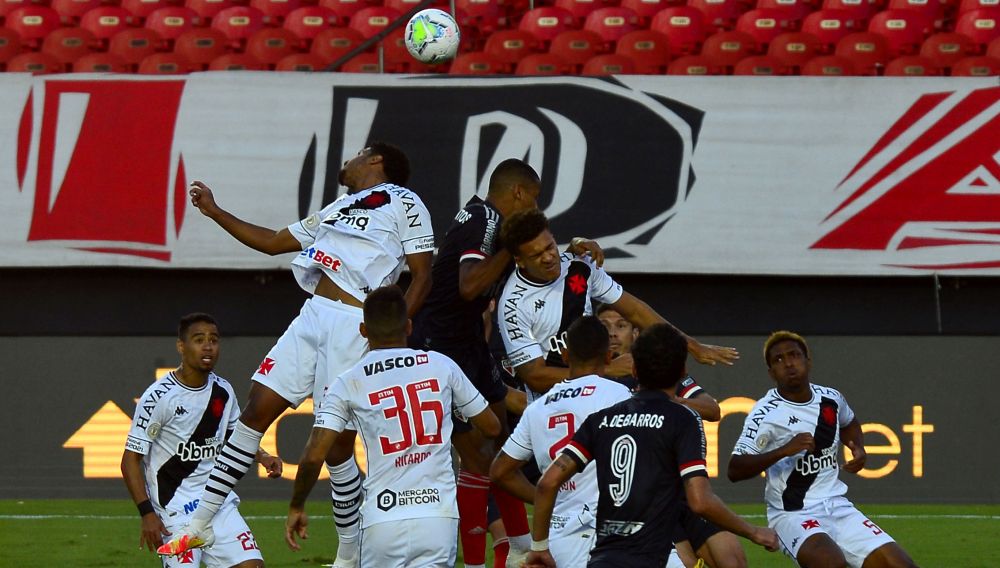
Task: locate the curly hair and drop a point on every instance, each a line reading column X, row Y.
column 522, row 227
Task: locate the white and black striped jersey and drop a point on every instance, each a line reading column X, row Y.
column 547, row 425
column 534, row 317
column 401, row 401
column 180, row 430
column 359, row 241
column 644, row 447
column 809, row 477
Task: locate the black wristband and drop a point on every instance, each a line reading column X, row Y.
column 145, row 508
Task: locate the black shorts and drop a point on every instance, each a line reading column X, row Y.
column 693, row 528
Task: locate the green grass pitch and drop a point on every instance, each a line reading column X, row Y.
column 90, row 533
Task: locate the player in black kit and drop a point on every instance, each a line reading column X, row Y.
column 650, row 454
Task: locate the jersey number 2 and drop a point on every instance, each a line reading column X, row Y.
column 556, row 420
column 401, row 413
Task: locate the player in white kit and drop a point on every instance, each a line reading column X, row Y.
column 547, row 425
column 794, row 434
column 401, row 400
column 180, row 423
column 352, row 246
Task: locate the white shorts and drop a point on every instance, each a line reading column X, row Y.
column 430, row 542
column 674, row 560
column 573, row 549
column 234, row 543
column 853, row 532
column 322, row 342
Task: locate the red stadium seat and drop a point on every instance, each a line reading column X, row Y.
column 609, row 64
column 165, row 64
column 510, row 46
column 34, row 62
column 362, row 63
column 761, row 65
column 236, row 62
column 911, row 66
column 829, row 66
column 720, row 14
column 794, row 10
column 693, row 65
column 646, row 9
column 580, row 9
column 201, row 46
column 726, row 49
column 902, row 29
column 69, row 44
column 829, row 27
column 993, row 50
column 307, row 22
column 395, row 57
column 106, row 21
column 10, row 45
column 135, row 44
column 649, row 51
column 868, row 52
column 333, row 43
column 944, row 49
column 969, row 5
column 546, row 23
column 101, row 63
column 207, row 9
column 32, row 24
column 371, row 21
column 859, row 10
column 932, row 11
column 542, row 64
column 404, row 6
column 764, row 25
column 479, row 18
column 345, row 9
column 301, row 62
column 794, row 49
column 238, row 24
column 141, row 9
column 70, row 10
column 271, row 45
column 980, row 66
column 683, row 26
column 171, row 22
column 476, row 63
column 981, row 26
column 576, row 47
column 8, row 6
column 275, row 11
column 612, row 23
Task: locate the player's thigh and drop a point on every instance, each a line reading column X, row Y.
column 430, row 542
column 289, row 368
column 889, row 555
column 857, row 535
column 474, row 449
column 806, row 536
column 572, row 550
column 234, row 541
column 341, row 345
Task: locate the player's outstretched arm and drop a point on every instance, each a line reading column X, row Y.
column 560, row 471
column 261, row 239
column 581, row 246
column 704, row 502
column 487, row 423
column 704, row 404
column 151, row 528
column 320, row 441
column 476, row 276
column 746, row 466
column 419, row 264
column 505, row 472
column 855, row 441
column 540, row 377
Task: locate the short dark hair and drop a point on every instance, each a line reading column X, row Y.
column 660, row 355
column 187, row 321
column 511, row 172
column 395, row 164
column 522, row 227
column 784, row 335
column 606, row 308
column 587, row 340
column 385, row 313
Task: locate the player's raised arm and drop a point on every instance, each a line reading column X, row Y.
column 151, row 529
column 581, row 246
column 540, row 377
column 420, row 280
column 476, row 276
column 691, row 395
column 268, row 241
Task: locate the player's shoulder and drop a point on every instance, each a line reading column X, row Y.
column 165, row 387
column 826, row 391
column 767, row 405
column 406, row 195
column 222, row 382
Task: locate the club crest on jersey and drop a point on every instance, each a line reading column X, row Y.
column 265, row 366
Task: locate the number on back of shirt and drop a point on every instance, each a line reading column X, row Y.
column 407, row 410
column 565, row 420
column 623, row 452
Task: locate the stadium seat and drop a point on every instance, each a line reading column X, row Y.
column 979, row 66
column 207, row 9
column 693, row 65
column 238, row 24
column 165, row 64
column 576, row 47
column 70, row 10
column 720, row 15
column 970, row 5
column 609, row 64
column 542, row 64
column 646, row 9
column 141, row 9
column 134, row 45
column 69, row 44
column 201, row 46
column 333, row 43
column 649, row 51
column 795, row 10
column 106, row 21
column 726, row 49
column 546, row 23
column 301, row 62
column 271, row 45
column 171, row 22
column 372, row 20
column 903, row 30
column 101, row 63
column 308, row 21
column 911, row 66
column 993, row 49
column 404, row 6
column 932, row 11
column 10, row 45
column 981, row 26
column 764, row 25
column 236, row 62
column 275, row 11
column 481, row 17
column 362, row 63
column 868, row 52
column 829, row 66
column 683, row 26
column 395, row 57
column 858, row 10
column 476, row 63
column 34, row 62
column 611, row 23
column 32, row 24
column 945, row 48
column 8, row 6
column 761, row 65
column 580, row 9
column 345, row 9
column 794, row 49
column 829, row 27
column 510, row 46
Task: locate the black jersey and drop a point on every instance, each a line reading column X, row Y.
column 445, row 317
column 644, row 447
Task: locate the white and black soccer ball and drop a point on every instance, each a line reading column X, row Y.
column 432, row 36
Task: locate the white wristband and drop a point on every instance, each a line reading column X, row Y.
column 539, row 545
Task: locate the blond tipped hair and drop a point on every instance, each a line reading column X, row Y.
column 784, row 335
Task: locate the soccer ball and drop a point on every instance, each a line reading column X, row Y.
column 432, row 36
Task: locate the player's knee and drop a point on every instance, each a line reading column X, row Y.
column 890, row 555
column 819, row 551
